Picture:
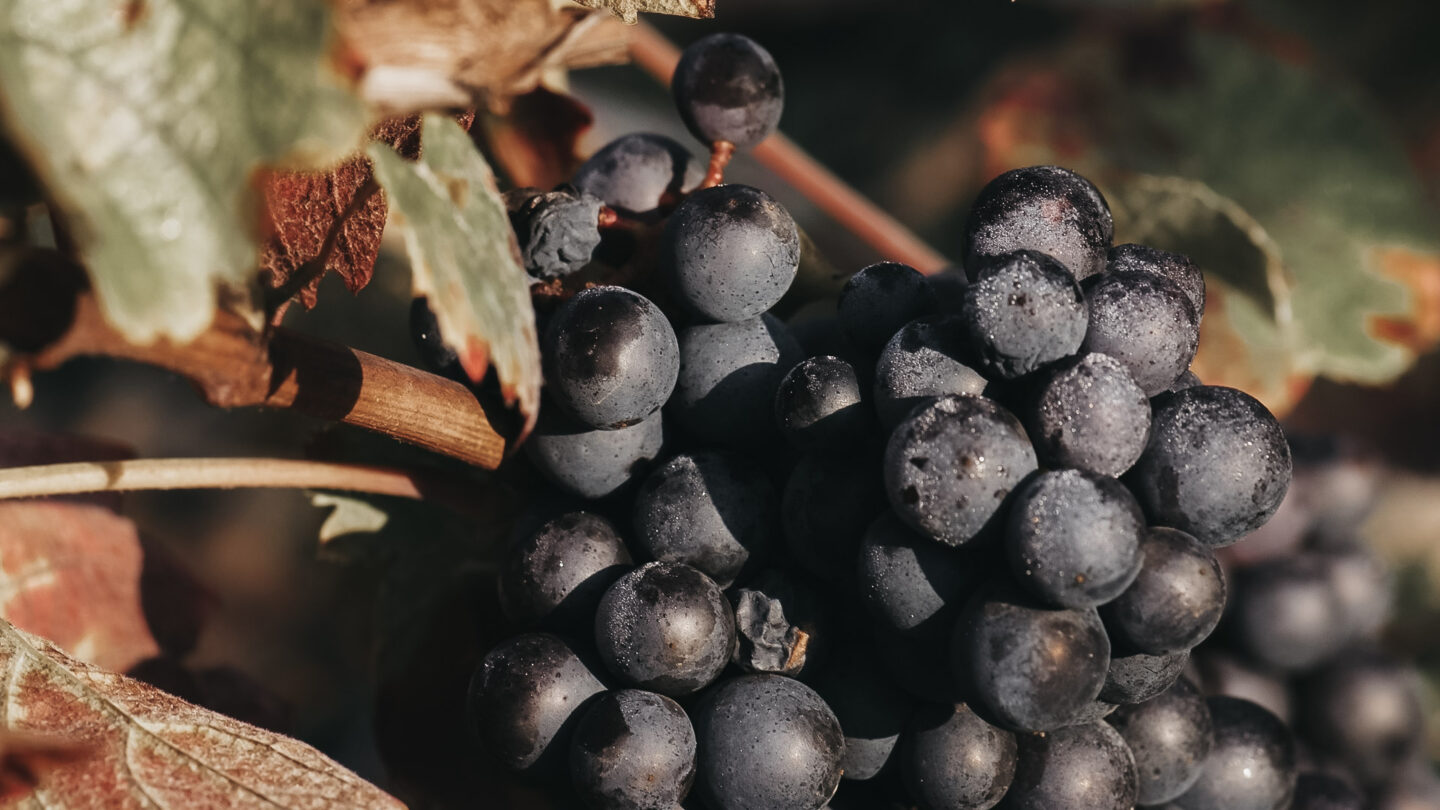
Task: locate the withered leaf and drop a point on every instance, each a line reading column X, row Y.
column 628, row 10
column 152, row 749
column 537, row 142
column 26, row 758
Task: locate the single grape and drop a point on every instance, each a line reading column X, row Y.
column 818, row 404
column 909, row 582
column 872, row 712
column 830, row 498
column 1251, row 765
column 1090, row 414
column 1170, row 736
column 729, row 373
column 588, row 462
column 1285, row 613
column 557, row 575
column 728, row 88
column 1132, row 258
column 950, row 464
column 1364, row 710
column 1224, row 673
column 766, row 741
column 925, row 359
column 1318, row 791
column 1176, row 600
column 1022, row 312
column 1086, row 767
column 1145, row 322
column 524, row 697
column 637, row 174
column 1042, row 208
column 633, row 750
column 1363, row 587
column 730, row 252
column 1073, row 538
column 953, row 760
column 880, row 299
column 1137, row 677
column 1216, row 466
column 665, row 627
column 557, row 231
column 611, row 357
column 1029, row 667
column 713, row 511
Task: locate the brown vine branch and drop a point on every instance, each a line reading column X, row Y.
column 657, row 55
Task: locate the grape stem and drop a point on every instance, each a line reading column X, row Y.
column 657, row 55
column 720, row 154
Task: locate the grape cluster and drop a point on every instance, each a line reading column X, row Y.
column 957, row 560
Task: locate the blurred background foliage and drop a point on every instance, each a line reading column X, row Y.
column 1291, row 146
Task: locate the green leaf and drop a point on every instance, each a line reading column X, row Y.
column 147, row 123
column 463, row 256
column 627, row 10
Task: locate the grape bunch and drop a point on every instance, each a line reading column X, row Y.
column 947, row 545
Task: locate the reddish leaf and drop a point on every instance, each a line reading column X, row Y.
column 1419, row 329
column 150, row 748
column 538, row 142
column 25, row 759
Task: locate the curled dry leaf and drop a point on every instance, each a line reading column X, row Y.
column 537, row 142
column 628, row 9
column 152, row 749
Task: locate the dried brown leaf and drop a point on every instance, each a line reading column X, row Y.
column 628, row 10
column 152, row 749
column 25, row 759
column 537, row 143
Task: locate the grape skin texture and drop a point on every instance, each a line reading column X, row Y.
column 557, row 575
column 1022, row 312
column 910, row 582
column 818, row 403
column 950, row 464
column 1217, row 464
column 1170, row 736
column 665, row 627
column 878, row 300
column 611, row 357
column 953, row 760
column 730, row 252
column 592, row 463
column 1137, row 677
column 1251, row 765
column 1177, row 599
column 728, row 88
column 1086, row 767
column 729, row 373
column 1042, row 208
column 1030, row 668
column 713, row 511
column 1180, row 269
column 1092, row 415
column 766, row 742
column 523, row 697
column 557, row 230
column 924, row 360
column 633, row 750
column 1145, row 322
column 1073, row 538
column 634, row 173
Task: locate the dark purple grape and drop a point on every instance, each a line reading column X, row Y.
column 872, row 712
column 611, row 357
column 524, row 699
column 830, row 499
column 713, row 511
column 1176, row 600
column 950, row 464
column 880, row 299
column 1223, row 673
column 1042, row 208
column 637, row 174
column 1251, row 765
column 728, row 88
column 1170, row 736
column 766, row 741
column 953, row 760
column 1086, row 767
column 924, row 360
column 633, row 750
column 1030, row 668
column 730, row 252
column 729, row 373
column 1132, row 258
column 557, row 231
column 1318, row 791
column 1217, row 465
column 1022, row 312
column 909, row 582
column 588, row 462
column 818, row 404
column 1285, row 613
column 557, row 575
column 1365, row 711
column 1090, row 414
column 782, row 626
column 1145, row 322
column 1137, row 677
column 1073, row 538
column 665, row 627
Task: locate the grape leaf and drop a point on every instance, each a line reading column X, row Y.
column 537, row 141
column 463, row 257
column 147, row 128
column 152, row 749
column 628, row 10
